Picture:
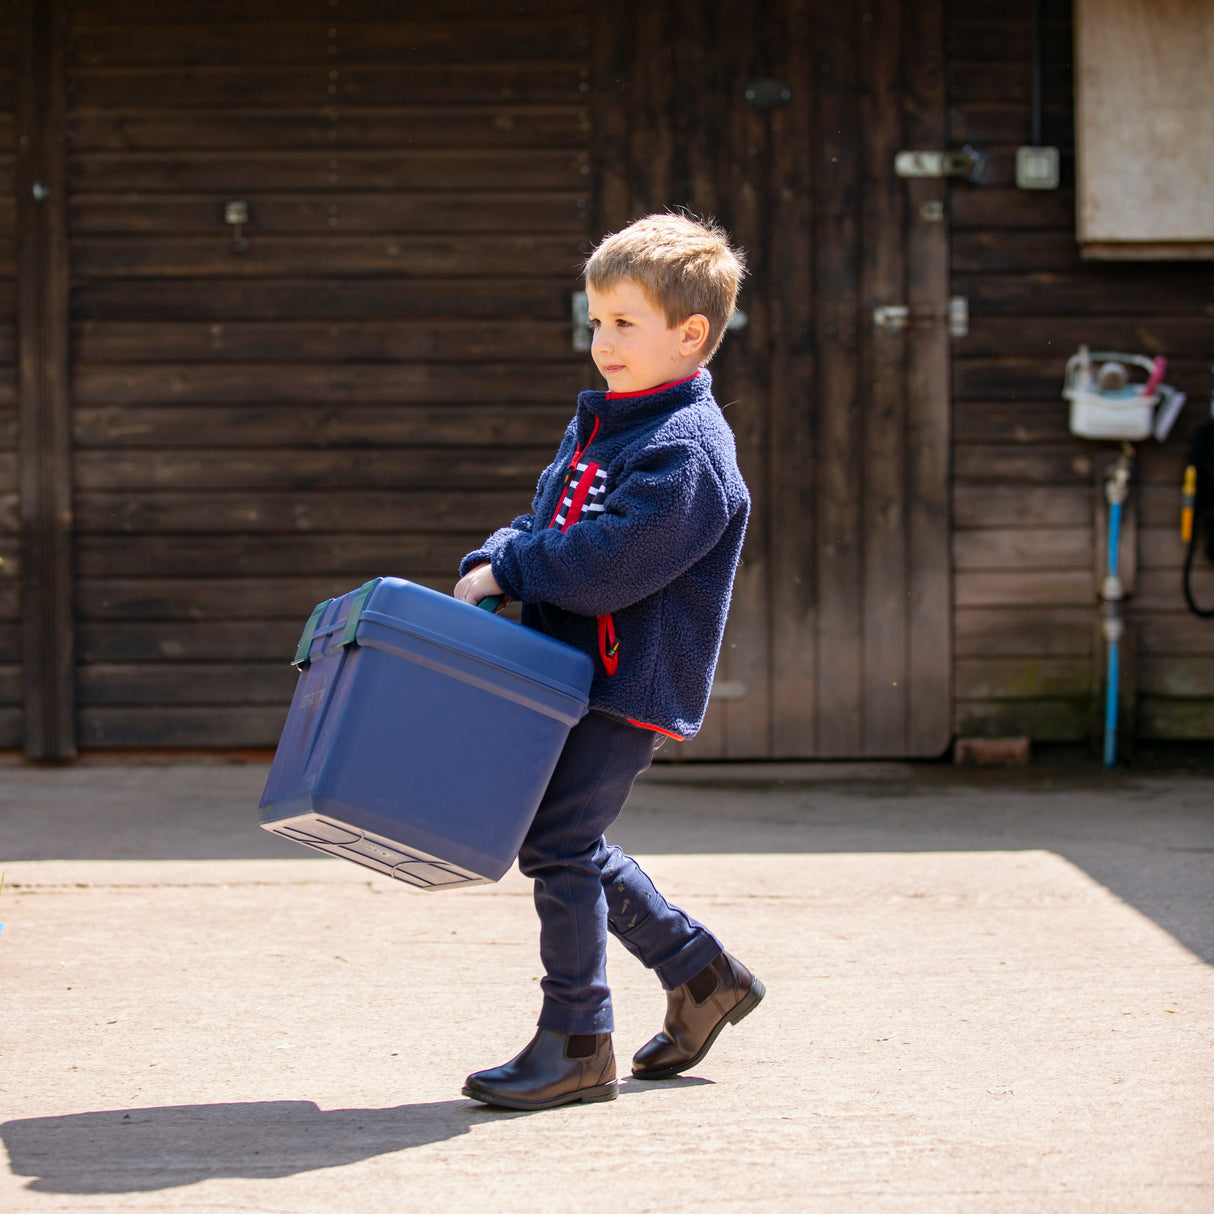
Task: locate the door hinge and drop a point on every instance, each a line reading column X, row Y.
column 965, row 163
column 896, row 318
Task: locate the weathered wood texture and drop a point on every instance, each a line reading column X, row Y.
column 11, row 730
column 368, row 387
column 11, row 724
column 1144, row 96
column 838, row 642
column 1027, row 518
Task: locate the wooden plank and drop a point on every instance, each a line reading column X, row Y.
column 1022, row 506
column 1159, row 589
column 978, row 251
column 238, row 89
column 46, row 487
column 336, row 213
column 1122, row 291
column 1024, row 548
column 386, row 341
column 194, row 12
column 395, row 257
column 141, row 727
column 1003, row 207
column 242, row 640
column 1042, row 720
column 1038, row 464
column 262, row 383
column 792, row 445
column 1033, row 631
column 1176, row 676
column 1009, row 83
column 1178, row 720
column 1004, row 379
column 1159, row 250
column 993, row 38
column 330, row 168
column 1172, row 632
column 291, row 513
column 1010, row 422
column 11, row 724
column 520, row 126
column 927, row 396
column 448, row 471
column 206, row 599
column 315, row 298
column 734, row 178
column 330, row 41
column 1038, row 587
column 999, row 124
column 355, row 555
column 8, row 387
column 1162, row 548
column 887, row 540
column 250, row 426
column 1056, row 338
column 222, row 684
column 1029, row 677
column 838, row 309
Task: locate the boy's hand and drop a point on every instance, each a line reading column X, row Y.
column 479, row 583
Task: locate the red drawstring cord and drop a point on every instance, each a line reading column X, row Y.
column 609, row 647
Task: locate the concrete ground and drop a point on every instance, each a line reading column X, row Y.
column 987, row 991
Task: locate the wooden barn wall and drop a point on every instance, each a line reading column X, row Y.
column 837, row 645
column 1028, row 544
column 367, row 387
column 10, row 628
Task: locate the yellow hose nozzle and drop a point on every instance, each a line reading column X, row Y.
column 1188, row 499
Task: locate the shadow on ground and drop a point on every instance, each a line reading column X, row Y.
column 141, row 1150
column 1146, row 835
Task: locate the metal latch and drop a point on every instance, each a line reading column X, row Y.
column 966, row 164
column 896, row 318
column 579, row 316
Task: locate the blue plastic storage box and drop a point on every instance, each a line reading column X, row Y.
column 422, row 734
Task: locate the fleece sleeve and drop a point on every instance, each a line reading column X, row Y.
column 668, row 509
column 521, row 526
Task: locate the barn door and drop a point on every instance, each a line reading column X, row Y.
column 784, row 120
column 321, row 265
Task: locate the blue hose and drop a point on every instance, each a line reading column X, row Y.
column 1112, row 632
column 1110, row 705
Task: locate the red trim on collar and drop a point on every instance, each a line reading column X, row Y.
column 674, row 383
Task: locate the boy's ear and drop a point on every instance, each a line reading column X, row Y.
column 695, row 334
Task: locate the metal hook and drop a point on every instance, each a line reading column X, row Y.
column 237, row 214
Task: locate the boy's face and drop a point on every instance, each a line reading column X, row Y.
column 633, row 347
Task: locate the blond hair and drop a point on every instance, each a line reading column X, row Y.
column 684, row 265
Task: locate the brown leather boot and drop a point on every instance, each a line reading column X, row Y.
column 722, row 993
column 553, row 1069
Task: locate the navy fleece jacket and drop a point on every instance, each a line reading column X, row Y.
column 641, row 517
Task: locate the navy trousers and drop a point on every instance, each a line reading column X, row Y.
column 585, row 888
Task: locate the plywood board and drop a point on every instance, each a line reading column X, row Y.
column 1144, row 93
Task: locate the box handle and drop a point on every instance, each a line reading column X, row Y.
column 303, row 651
column 357, row 602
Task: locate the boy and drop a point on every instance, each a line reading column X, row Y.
column 629, row 554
